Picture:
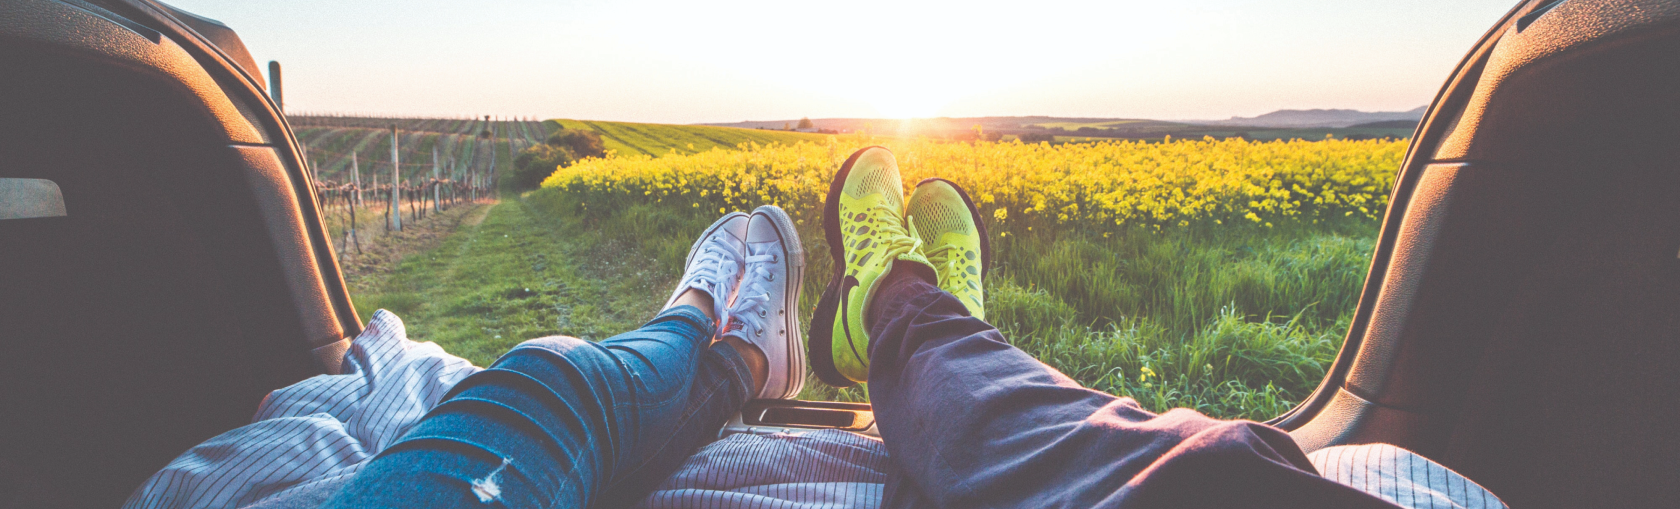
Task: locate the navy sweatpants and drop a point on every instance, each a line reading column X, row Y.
column 970, row 421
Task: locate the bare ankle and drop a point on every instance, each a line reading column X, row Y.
column 756, row 362
column 698, row 299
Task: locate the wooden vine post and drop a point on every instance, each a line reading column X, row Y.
column 355, row 180
column 491, row 173
column 355, row 201
column 376, row 195
column 436, row 193
column 396, row 184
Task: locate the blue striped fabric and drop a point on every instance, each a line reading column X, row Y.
column 316, row 430
column 826, row 469
column 308, row 439
column 1401, row 477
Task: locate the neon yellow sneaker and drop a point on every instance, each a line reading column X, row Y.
column 863, row 221
column 953, row 239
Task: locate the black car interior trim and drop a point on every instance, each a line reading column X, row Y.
column 192, row 276
column 1521, row 321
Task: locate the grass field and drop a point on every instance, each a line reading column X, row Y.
column 516, row 272
column 628, row 138
column 1214, row 275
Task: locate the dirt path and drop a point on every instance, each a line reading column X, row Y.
column 380, row 255
column 477, row 216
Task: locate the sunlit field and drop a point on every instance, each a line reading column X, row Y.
column 629, row 139
column 1212, row 274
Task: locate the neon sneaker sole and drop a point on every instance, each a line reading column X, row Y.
column 953, row 238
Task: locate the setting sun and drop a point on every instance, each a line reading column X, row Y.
column 908, row 101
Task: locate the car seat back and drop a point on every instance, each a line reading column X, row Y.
column 182, row 275
column 1521, row 322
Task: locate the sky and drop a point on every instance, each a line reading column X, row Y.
column 735, row 60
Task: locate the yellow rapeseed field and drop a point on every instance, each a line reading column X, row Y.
column 1148, row 270
column 1094, row 187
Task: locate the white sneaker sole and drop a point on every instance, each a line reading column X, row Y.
column 794, row 254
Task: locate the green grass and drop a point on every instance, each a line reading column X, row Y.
column 629, row 138
column 1235, row 321
column 1240, row 322
column 1182, row 279
column 518, row 275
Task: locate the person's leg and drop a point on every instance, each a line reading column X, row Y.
column 569, row 423
column 565, row 422
column 971, row 421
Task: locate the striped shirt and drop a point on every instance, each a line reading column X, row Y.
column 315, row 431
column 1401, row 477
column 307, row 440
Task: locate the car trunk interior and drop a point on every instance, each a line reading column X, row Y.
column 180, row 283
column 1521, row 322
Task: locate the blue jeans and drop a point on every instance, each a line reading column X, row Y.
column 562, row 422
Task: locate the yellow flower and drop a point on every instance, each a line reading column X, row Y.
column 1093, row 186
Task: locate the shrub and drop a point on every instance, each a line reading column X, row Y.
column 582, row 144
column 1037, row 137
column 561, row 149
column 538, row 162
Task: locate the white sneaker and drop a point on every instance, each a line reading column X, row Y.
column 716, row 262
column 766, row 309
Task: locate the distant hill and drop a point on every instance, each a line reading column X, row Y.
column 1296, row 119
column 1306, row 124
column 923, row 125
column 656, row 140
column 1063, row 129
column 1408, row 124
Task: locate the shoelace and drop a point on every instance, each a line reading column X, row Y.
column 752, row 306
column 944, row 265
column 717, row 267
column 948, row 268
column 897, row 240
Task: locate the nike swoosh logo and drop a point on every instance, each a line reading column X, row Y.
column 845, row 323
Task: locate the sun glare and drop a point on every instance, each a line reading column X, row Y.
column 900, row 59
column 905, row 104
